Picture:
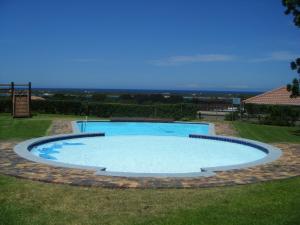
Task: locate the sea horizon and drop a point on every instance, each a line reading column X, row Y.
column 148, row 91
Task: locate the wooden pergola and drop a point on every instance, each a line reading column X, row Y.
column 21, row 98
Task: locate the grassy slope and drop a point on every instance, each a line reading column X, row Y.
column 28, row 202
column 22, row 128
column 19, row 129
column 267, row 133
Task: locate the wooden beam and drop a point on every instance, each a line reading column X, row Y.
column 29, row 98
column 12, row 86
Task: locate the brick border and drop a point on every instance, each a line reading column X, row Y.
column 23, row 150
column 11, row 164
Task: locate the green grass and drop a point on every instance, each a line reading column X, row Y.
column 61, row 116
column 27, row 202
column 19, row 129
column 24, row 128
column 266, row 133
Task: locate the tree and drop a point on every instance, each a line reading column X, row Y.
column 293, row 7
column 294, row 88
column 126, row 97
column 175, row 99
column 99, row 97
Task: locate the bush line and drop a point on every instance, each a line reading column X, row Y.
column 174, row 111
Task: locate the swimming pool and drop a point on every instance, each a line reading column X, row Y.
column 147, row 150
column 148, row 154
column 143, row 128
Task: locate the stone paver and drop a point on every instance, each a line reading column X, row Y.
column 61, row 127
column 225, row 129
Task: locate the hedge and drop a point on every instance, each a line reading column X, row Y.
column 274, row 114
column 175, row 111
column 5, row 105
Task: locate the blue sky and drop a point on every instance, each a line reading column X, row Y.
column 210, row 45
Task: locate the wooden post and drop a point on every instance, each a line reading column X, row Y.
column 12, row 92
column 29, row 98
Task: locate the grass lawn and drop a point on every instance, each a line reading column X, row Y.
column 22, row 128
column 28, row 202
column 266, row 133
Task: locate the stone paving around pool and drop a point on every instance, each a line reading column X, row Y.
column 61, row 127
column 11, row 164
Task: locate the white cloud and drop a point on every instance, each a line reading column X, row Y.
column 284, row 56
column 277, row 56
column 185, row 59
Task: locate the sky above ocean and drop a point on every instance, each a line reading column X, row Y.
column 177, row 45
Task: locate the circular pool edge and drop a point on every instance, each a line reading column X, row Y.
column 272, row 153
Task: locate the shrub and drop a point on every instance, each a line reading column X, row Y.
column 58, row 107
column 232, row 116
column 5, row 105
column 120, row 110
column 282, row 116
column 99, row 97
column 175, row 111
column 274, row 114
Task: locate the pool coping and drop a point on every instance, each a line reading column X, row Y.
column 211, row 126
column 23, row 149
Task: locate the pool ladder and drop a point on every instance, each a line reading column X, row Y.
column 83, row 124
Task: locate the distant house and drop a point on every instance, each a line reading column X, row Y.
column 279, row 96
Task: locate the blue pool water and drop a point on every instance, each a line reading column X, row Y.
column 148, row 154
column 144, row 128
column 143, row 147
